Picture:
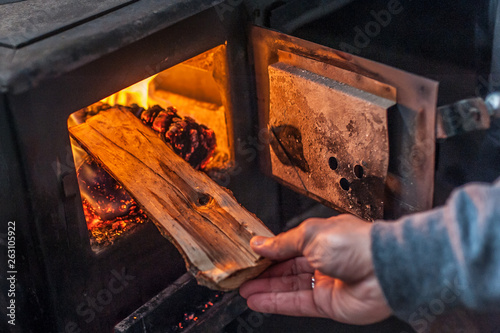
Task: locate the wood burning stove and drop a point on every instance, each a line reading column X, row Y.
column 250, row 85
column 68, row 58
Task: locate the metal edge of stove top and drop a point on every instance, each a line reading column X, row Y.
column 29, row 21
column 6, row 2
column 24, row 68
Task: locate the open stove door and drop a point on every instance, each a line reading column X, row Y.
column 349, row 132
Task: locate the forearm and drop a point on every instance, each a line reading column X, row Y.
column 449, row 256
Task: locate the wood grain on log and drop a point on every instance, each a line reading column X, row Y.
column 204, row 221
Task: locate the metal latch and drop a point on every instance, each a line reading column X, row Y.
column 467, row 115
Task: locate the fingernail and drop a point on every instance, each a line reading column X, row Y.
column 258, row 241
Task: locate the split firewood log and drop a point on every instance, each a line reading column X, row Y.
column 202, row 219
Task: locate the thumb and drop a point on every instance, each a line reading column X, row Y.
column 281, row 247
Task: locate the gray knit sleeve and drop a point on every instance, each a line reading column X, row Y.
column 431, row 262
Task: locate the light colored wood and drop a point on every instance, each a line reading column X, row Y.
column 204, row 221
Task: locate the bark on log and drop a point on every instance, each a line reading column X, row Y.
column 204, row 221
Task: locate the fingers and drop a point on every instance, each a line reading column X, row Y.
column 300, row 303
column 284, row 246
column 294, row 274
column 295, row 266
column 276, row 285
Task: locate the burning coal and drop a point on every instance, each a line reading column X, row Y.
column 109, row 209
column 194, row 142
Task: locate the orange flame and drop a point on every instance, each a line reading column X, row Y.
column 135, row 94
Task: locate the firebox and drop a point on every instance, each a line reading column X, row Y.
column 187, row 105
column 277, row 120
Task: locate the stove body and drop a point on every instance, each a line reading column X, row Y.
column 60, row 61
column 51, row 69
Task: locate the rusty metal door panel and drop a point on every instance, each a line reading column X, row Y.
column 377, row 122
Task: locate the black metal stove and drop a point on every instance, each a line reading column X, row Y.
column 57, row 57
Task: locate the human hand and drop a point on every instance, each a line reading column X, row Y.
column 337, row 253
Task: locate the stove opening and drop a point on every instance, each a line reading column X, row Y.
column 187, row 106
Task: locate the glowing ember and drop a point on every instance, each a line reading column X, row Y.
column 192, row 141
column 109, row 210
column 193, row 316
column 105, row 232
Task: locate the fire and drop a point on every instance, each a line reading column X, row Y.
column 105, row 232
column 189, row 115
column 109, row 210
column 135, row 94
